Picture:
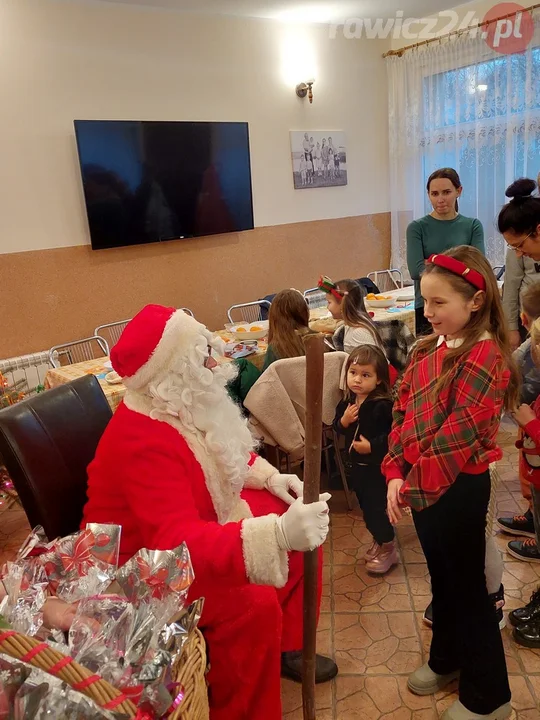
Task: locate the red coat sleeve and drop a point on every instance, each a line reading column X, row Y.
column 158, row 491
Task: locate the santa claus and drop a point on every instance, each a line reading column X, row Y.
column 177, row 464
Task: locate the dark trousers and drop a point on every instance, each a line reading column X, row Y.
column 452, row 535
column 369, row 485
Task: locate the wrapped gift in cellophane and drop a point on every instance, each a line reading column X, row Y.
column 126, row 627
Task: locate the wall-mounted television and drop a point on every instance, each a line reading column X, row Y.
column 151, row 181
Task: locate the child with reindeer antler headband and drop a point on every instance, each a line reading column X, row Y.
column 443, row 439
column 346, row 303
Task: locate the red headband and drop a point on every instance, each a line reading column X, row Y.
column 459, row 268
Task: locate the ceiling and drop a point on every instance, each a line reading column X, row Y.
column 318, row 11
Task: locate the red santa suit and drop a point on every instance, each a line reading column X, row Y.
column 167, row 482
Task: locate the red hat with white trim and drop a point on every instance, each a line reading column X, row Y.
column 152, row 342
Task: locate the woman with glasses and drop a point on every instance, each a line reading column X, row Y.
column 520, row 273
column 519, row 220
column 442, row 229
column 519, row 223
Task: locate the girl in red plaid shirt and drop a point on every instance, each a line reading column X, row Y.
column 443, row 438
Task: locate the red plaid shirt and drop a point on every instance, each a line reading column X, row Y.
column 453, row 434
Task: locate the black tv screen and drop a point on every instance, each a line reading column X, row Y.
column 148, row 181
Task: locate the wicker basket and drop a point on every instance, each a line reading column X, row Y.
column 40, row 655
column 190, row 673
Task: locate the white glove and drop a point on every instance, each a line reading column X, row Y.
column 304, row 527
column 283, row 485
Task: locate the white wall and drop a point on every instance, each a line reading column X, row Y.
column 463, row 15
column 65, row 60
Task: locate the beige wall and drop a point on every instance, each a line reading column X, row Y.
column 61, row 61
column 52, row 296
column 469, row 14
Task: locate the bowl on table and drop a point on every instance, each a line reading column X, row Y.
column 249, row 331
column 379, row 301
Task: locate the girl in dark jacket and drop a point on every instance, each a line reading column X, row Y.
column 365, row 419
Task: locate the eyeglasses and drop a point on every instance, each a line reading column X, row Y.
column 518, row 247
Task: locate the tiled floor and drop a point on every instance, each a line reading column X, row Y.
column 373, row 626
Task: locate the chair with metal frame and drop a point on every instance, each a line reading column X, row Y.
column 387, row 280
column 90, row 348
column 111, row 332
column 250, row 311
column 315, row 298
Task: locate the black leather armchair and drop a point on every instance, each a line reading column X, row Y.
column 46, row 443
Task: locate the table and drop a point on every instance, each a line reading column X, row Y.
column 257, row 358
column 63, row 375
column 320, row 318
column 115, row 393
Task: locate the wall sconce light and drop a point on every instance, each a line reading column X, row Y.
column 305, row 88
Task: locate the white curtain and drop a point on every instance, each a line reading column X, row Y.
column 457, row 103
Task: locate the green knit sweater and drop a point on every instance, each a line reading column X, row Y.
column 427, row 236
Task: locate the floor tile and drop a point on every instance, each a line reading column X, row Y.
column 373, row 625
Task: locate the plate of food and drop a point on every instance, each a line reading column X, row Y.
column 380, row 301
column 250, row 331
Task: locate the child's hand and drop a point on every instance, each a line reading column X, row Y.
column 362, row 446
column 58, row 614
column 393, row 500
column 350, row 416
column 523, row 415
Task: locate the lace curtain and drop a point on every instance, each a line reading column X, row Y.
column 459, row 104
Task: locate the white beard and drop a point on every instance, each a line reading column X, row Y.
column 198, row 397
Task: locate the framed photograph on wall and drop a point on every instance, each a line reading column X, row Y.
column 319, row 158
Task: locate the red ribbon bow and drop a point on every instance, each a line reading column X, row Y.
column 80, row 556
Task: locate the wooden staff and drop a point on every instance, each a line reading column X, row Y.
column 314, row 345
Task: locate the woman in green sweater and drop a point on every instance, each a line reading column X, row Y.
column 442, row 229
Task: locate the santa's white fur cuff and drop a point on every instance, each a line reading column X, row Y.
column 265, row 563
column 259, row 473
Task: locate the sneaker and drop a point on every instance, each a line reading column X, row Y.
column 385, row 558
column 528, row 635
column 458, row 711
column 518, row 525
column 372, row 551
column 291, row 667
column 425, row 682
column 528, row 614
column 524, row 550
column 498, row 603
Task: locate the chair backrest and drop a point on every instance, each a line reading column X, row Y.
column 248, row 312
column 46, row 443
column 315, row 298
column 387, row 279
column 78, row 351
column 277, row 401
column 111, row 332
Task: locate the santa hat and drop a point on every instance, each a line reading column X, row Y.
column 151, row 342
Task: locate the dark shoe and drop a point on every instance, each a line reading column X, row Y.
column 528, row 635
column 291, row 667
column 518, row 525
column 428, row 615
column 498, row 603
column 524, row 550
column 528, row 614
